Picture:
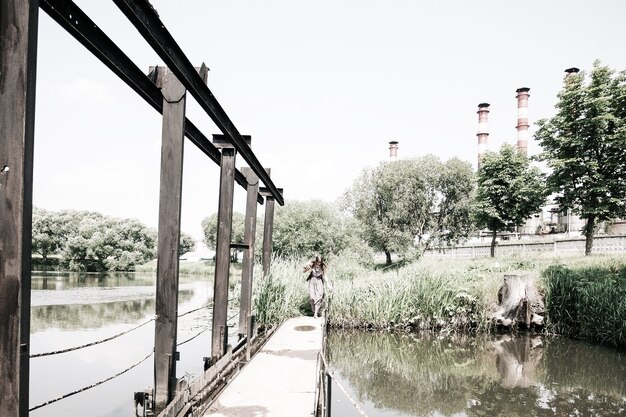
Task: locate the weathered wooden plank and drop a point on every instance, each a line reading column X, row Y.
column 168, row 237
column 219, row 337
column 268, row 227
column 18, row 58
column 221, row 141
column 245, row 303
column 240, row 246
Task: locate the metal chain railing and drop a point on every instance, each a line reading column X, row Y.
column 56, row 352
column 92, row 385
column 125, row 370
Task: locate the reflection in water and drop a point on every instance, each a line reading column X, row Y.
column 474, row 376
column 90, row 301
column 74, row 309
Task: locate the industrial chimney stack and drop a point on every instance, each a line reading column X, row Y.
column 522, row 120
column 483, row 130
column 393, row 150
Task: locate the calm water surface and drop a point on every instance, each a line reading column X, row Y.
column 75, row 309
column 395, row 375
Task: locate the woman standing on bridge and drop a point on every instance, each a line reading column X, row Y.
column 316, row 280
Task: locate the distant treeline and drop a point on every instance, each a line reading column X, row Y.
column 92, row 242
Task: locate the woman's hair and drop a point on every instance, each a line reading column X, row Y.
column 319, row 260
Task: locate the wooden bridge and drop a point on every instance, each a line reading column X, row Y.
column 292, row 352
column 282, row 379
column 285, row 378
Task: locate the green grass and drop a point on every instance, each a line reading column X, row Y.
column 434, row 294
column 588, row 302
column 585, row 296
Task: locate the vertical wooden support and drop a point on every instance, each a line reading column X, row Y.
column 219, row 335
column 245, row 307
column 18, row 61
column 268, row 227
column 169, row 234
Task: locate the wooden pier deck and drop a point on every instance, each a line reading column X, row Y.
column 281, row 379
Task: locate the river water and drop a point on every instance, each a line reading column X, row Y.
column 395, row 375
column 390, row 375
column 75, row 309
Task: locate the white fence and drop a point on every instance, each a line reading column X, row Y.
column 601, row 244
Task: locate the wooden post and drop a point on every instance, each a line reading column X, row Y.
column 268, row 227
column 173, row 128
column 219, row 334
column 248, row 254
column 18, row 62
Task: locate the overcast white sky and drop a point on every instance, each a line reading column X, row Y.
column 322, row 86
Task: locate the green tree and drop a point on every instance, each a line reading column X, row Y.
column 187, row 243
column 453, row 220
column 411, row 205
column 103, row 243
column 51, row 230
column 308, row 228
column 209, row 228
column 509, row 191
column 583, row 145
column 47, row 236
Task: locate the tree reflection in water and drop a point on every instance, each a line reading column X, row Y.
column 72, row 301
column 426, row 375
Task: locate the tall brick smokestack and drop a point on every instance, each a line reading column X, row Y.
column 522, row 119
column 393, row 150
column 483, row 130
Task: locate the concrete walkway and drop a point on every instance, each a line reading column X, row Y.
column 280, row 380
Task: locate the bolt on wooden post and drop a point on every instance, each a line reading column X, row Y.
column 18, row 58
column 219, row 335
column 171, row 178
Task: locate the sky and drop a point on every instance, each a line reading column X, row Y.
column 321, row 86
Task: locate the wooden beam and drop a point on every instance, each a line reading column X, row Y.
column 66, row 14
column 18, row 61
column 221, row 141
column 219, row 337
column 146, row 20
column 169, row 235
column 245, row 303
column 268, row 226
column 239, row 246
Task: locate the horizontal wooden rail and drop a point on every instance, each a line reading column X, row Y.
column 87, row 33
column 146, row 20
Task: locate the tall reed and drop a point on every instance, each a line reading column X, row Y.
column 588, row 302
column 452, row 294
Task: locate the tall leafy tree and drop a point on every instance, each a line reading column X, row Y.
column 509, row 191
column 209, row 228
column 411, row 205
column 47, row 238
column 103, row 243
column 52, row 230
column 187, row 243
column 308, row 228
column 584, row 146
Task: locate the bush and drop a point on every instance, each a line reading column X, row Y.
column 588, row 302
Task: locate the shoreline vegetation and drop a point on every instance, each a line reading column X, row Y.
column 585, row 296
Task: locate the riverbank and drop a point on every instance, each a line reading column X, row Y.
column 455, row 296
